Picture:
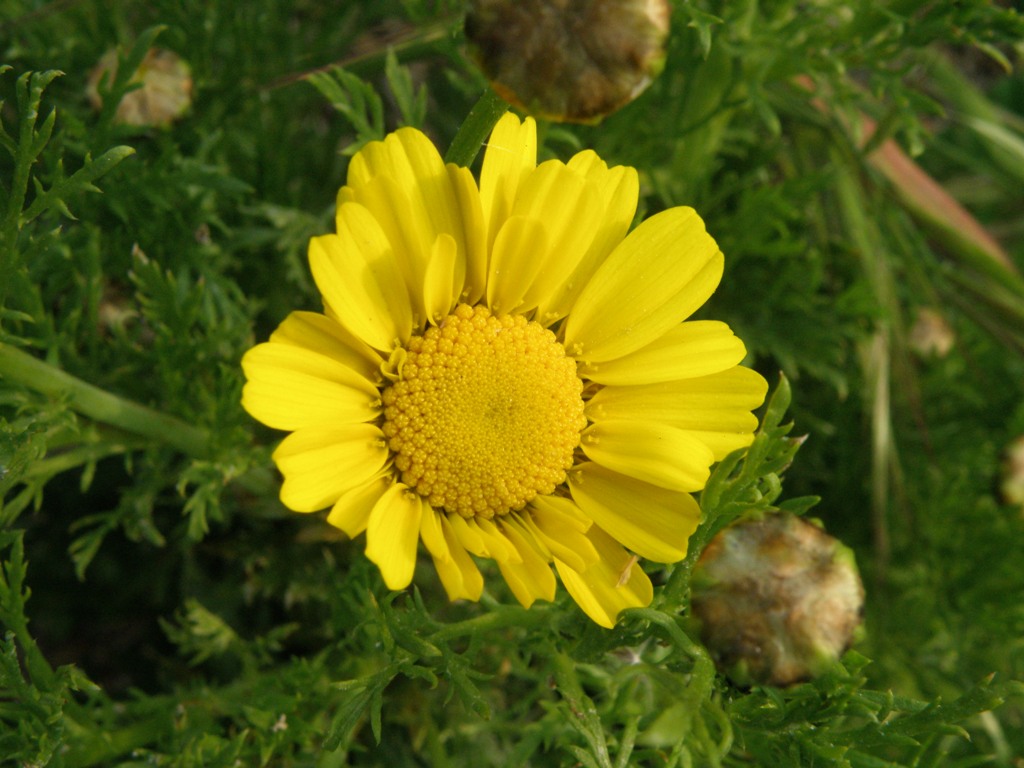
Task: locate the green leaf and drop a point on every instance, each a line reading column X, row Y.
column 114, row 89
column 703, row 22
column 459, row 674
column 581, row 713
column 85, row 546
column 30, row 143
column 359, row 695
column 778, row 404
column 203, row 502
column 411, row 101
column 201, row 634
column 80, row 181
column 14, row 595
column 356, row 100
column 934, row 718
column 347, row 717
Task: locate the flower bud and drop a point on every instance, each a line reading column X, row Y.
column 778, row 599
column 572, row 60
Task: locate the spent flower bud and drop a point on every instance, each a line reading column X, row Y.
column 570, row 60
column 778, row 599
column 164, row 93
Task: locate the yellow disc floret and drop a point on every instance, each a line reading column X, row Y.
column 485, row 413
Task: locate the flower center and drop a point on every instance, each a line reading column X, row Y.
column 486, row 413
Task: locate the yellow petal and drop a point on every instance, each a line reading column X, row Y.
column 290, row 387
column 441, row 285
column 386, row 157
column 655, row 453
column 514, row 262
column 715, row 409
column 569, row 207
column 531, row 578
column 721, row 443
column 375, row 159
column 653, row 522
column 321, row 463
column 497, row 544
column 393, row 532
column 664, row 270
column 404, row 222
column 564, row 541
column 459, row 575
column 511, row 153
column 360, row 280
column 433, row 535
column 474, row 232
column 411, row 160
column 687, row 403
column 272, row 358
column 618, row 189
column 434, row 184
column 688, row 350
column 565, row 510
column 610, row 585
column 480, row 536
column 516, row 521
column 352, row 511
column 469, row 537
column 317, row 332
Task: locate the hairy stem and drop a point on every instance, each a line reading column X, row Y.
column 478, row 124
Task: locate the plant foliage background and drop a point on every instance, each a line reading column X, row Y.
column 159, row 605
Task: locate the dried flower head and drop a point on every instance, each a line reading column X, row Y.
column 165, row 93
column 575, row 61
column 778, row 599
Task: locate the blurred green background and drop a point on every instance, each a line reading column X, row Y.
column 861, row 166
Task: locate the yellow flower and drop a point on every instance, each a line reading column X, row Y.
column 504, row 373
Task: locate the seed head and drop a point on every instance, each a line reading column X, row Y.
column 778, row 599
column 575, row 61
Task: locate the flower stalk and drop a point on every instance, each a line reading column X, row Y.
column 475, row 129
column 21, row 368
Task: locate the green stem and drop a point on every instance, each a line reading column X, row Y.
column 21, row 368
column 703, row 672
column 75, row 457
column 475, row 129
column 509, row 617
column 672, row 629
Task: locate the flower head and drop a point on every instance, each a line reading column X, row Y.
column 778, row 599
column 164, row 93
column 504, row 373
column 577, row 61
